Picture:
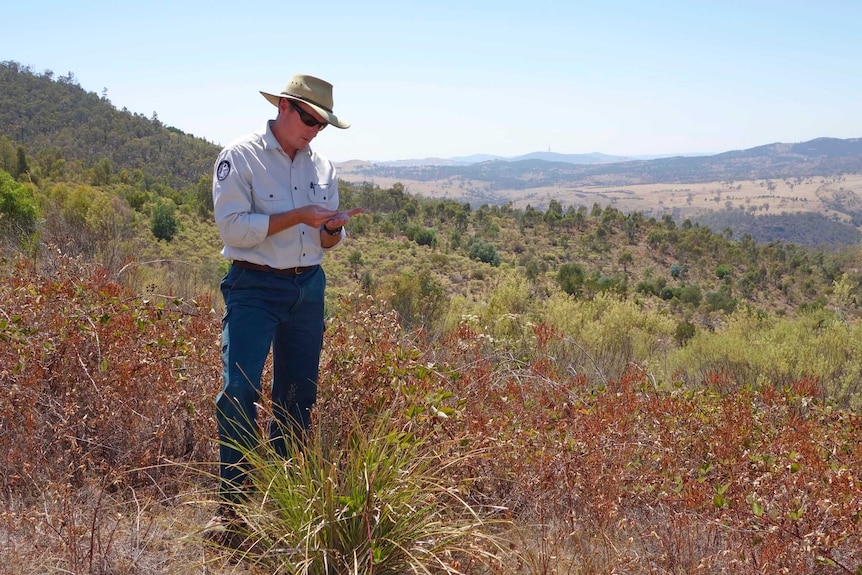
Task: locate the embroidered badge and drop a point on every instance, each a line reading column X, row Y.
column 223, row 170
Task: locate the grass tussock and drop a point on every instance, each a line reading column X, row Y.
column 380, row 501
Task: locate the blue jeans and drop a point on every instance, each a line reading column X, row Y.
column 266, row 310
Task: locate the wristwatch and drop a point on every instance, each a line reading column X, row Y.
column 334, row 232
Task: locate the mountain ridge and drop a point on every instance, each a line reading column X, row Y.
column 821, row 156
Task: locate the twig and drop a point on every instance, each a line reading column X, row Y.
column 572, row 341
column 93, row 528
column 163, row 261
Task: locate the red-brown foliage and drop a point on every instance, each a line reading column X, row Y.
column 98, row 383
column 746, row 480
column 101, row 387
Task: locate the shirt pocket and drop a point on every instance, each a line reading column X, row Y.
column 321, row 193
column 270, row 195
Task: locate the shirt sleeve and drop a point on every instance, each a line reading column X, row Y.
column 233, row 206
column 333, row 178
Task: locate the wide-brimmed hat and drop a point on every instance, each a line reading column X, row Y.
column 313, row 91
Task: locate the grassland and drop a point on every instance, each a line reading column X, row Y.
column 831, row 196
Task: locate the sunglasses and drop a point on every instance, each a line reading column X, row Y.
column 307, row 118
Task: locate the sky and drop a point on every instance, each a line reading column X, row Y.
column 458, row 77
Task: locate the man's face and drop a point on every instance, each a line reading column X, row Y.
column 296, row 117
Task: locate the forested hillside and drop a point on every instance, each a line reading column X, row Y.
column 67, row 130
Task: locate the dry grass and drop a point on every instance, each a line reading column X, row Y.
column 761, row 197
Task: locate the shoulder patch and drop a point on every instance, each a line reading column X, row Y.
column 223, row 170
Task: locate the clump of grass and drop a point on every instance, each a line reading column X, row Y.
column 381, row 503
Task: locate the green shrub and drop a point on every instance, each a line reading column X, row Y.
column 685, row 330
column 484, row 252
column 19, row 210
column 754, row 349
column 690, row 294
column 721, row 300
column 607, row 334
column 571, row 278
column 163, row 222
column 419, row 299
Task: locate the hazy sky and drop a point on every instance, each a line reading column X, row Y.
column 459, row 77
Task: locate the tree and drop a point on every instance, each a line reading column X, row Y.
column 18, row 208
column 626, row 258
column 103, row 172
column 571, row 278
column 484, row 252
column 22, row 167
column 164, row 223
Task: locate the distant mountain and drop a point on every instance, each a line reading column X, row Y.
column 476, row 158
column 419, row 162
column 594, row 158
column 818, row 157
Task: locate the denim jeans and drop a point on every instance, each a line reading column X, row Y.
column 263, row 311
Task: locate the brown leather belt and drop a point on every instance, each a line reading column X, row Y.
column 299, row 270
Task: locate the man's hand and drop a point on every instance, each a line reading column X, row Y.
column 338, row 219
column 310, row 215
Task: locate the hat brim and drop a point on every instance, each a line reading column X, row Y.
column 325, row 114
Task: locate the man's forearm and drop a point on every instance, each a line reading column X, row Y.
column 282, row 221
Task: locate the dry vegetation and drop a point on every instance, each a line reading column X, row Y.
column 759, row 197
column 107, row 429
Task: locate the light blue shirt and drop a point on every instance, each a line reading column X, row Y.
column 253, row 178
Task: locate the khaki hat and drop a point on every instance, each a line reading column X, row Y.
column 313, row 91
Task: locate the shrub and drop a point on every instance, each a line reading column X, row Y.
column 571, row 278
column 723, row 272
column 484, row 252
column 690, row 295
column 685, row 330
column 609, row 333
column 721, row 300
column 423, row 236
column 418, row 299
column 18, row 207
column 163, row 222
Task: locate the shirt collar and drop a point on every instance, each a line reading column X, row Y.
column 271, row 143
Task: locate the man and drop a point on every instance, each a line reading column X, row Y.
column 276, row 208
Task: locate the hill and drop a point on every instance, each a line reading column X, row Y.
column 783, row 182
column 819, row 157
column 59, row 123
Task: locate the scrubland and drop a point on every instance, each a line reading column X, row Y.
column 573, row 451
